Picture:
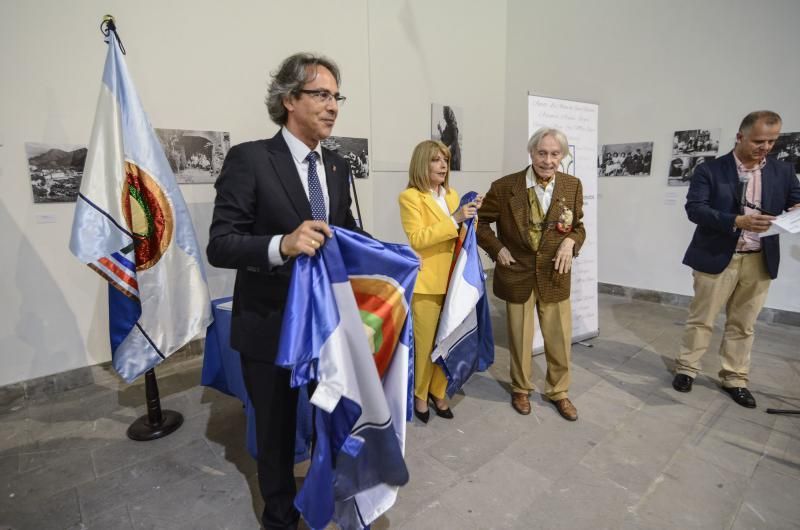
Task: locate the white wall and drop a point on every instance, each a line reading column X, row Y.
column 196, row 65
column 447, row 52
column 654, row 68
column 203, row 65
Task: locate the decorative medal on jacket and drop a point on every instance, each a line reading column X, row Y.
column 564, row 224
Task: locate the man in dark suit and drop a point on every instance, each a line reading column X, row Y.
column 733, row 266
column 275, row 200
column 538, row 213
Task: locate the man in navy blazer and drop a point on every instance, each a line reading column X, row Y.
column 275, row 200
column 733, row 199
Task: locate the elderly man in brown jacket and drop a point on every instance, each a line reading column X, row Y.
column 538, row 214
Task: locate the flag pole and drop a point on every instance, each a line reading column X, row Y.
column 109, row 26
column 355, row 196
column 157, row 423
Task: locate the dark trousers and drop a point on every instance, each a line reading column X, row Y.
column 275, row 404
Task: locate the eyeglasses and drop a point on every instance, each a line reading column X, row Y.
column 323, row 96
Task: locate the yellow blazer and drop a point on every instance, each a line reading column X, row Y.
column 432, row 234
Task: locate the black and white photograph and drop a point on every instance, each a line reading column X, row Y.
column 195, row 156
column 354, row 150
column 696, row 142
column 56, row 171
column 625, row 160
column 446, row 123
column 681, row 168
column 787, row 149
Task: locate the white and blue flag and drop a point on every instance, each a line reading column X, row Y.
column 132, row 227
column 464, row 342
column 347, row 326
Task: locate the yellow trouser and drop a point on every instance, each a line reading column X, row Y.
column 555, row 319
column 428, row 377
column 742, row 288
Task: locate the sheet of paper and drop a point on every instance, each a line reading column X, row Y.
column 788, row 222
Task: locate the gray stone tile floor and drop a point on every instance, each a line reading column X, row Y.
column 640, row 456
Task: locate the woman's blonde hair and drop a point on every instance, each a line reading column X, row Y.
column 420, row 164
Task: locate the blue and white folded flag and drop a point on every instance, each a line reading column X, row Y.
column 464, row 342
column 347, row 326
column 132, row 227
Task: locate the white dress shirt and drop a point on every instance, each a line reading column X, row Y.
column 299, row 152
column 545, row 195
column 439, row 198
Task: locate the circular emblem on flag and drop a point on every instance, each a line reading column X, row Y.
column 148, row 214
column 383, row 312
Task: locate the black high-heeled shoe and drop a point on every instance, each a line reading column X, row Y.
column 422, row 416
column 442, row 413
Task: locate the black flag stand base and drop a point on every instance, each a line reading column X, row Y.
column 157, row 423
column 783, row 411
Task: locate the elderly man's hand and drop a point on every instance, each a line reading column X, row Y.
column 505, row 258
column 563, row 259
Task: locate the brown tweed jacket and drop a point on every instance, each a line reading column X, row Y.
column 507, row 205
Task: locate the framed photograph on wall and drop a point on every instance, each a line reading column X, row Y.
column 354, row 150
column 787, row 149
column 446, row 124
column 682, row 168
column 195, row 156
column 690, row 149
column 696, row 142
column 625, row 160
column 55, row 170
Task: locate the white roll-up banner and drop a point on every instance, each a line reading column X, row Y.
column 578, row 120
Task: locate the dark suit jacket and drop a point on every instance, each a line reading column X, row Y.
column 712, row 203
column 507, row 205
column 260, row 196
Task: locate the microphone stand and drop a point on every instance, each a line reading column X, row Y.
column 758, row 208
column 783, row 411
column 355, row 198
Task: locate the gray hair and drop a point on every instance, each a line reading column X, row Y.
column 292, row 75
column 560, row 137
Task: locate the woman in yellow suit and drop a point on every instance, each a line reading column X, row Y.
column 430, row 215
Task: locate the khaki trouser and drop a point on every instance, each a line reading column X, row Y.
column 555, row 319
column 742, row 288
column 428, row 377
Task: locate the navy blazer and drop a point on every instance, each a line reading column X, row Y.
column 260, row 196
column 712, row 204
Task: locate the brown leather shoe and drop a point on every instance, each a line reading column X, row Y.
column 521, row 403
column 566, row 409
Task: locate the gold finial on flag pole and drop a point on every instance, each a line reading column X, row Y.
column 108, row 26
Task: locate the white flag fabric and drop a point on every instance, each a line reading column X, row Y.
column 347, row 326
column 132, row 227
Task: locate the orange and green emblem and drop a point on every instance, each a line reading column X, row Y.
column 383, row 312
column 148, row 214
